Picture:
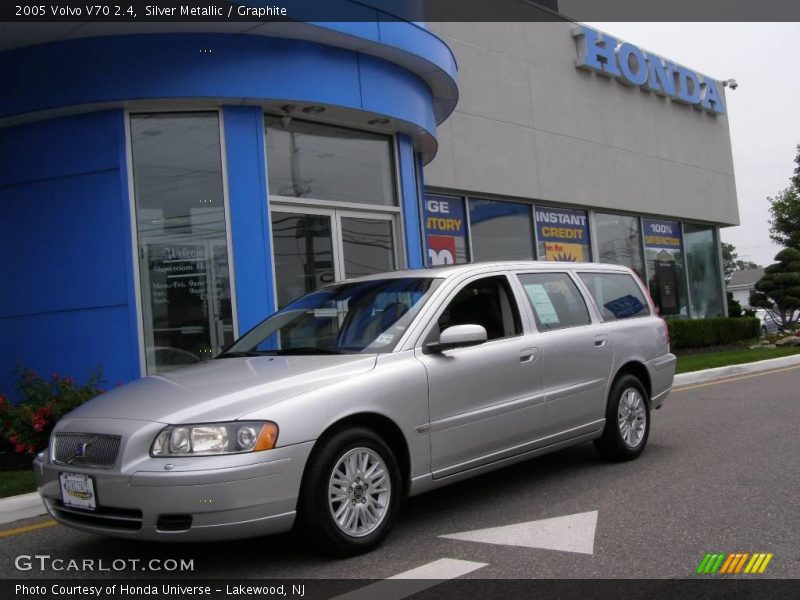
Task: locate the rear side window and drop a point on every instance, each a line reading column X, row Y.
column 555, row 300
column 617, row 295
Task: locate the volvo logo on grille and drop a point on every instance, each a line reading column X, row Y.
column 80, row 451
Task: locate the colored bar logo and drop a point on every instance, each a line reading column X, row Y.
column 734, row 563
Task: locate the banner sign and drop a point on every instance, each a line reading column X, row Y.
column 445, row 229
column 564, row 233
column 662, row 235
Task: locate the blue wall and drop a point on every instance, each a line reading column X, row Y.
column 67, row 302
column 159, row 66
column 68, row 298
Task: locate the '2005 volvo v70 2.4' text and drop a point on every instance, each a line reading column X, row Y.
column 361, row 393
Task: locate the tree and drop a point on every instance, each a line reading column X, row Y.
column 778, row 291
column 732, row 263
column 785, row 211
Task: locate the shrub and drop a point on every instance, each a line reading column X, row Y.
column 701, row 333
column 27, row 425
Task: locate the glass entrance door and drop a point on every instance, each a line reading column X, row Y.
column 314, row 247
column 187, row 298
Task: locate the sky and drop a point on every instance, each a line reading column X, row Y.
column 763, row 112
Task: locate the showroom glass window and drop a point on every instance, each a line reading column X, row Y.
column 500, row 230
column 563, row 234
column 702, row 262
column 663, row 246
column 182, row 238
column 333, row 205
column 312, row 160
column 619, row 241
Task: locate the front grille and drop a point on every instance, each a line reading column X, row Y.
column 86, row 449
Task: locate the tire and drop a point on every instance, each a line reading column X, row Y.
column 627, row 421
column 369, row 501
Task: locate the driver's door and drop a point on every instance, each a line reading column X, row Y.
column 484, row 399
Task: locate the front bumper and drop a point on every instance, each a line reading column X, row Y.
column 196, row 499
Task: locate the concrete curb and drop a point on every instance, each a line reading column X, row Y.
column 733, row 370
column 25, row 506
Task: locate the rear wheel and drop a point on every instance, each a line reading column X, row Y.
column 351, row 492
column 627, row 420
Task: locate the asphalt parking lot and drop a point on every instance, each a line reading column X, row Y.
column 720, row 475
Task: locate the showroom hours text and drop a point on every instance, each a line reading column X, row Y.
column 70, row 10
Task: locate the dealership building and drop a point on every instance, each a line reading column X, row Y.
column 164, row 187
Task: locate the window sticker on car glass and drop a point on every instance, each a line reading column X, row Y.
column 542, row 304
column 384, row 338
column 626, row 306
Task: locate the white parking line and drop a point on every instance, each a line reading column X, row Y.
column 414, row 581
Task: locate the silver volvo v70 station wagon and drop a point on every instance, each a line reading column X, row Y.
column 361, row 393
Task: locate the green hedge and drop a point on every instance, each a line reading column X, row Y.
column 700, row 333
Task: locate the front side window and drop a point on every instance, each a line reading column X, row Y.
column 617, row 295
column 183, row 249
column 487, row 302
column 362, row 317
column 555, row 300
column 312, row 160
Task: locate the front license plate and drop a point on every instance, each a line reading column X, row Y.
column 77, row 491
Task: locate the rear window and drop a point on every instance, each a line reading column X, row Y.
column 617, row 295
column 555, row 300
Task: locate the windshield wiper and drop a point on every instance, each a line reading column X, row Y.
column 308, row 350
column 242, row 354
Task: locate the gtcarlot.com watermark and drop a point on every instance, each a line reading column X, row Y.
column 45, row 562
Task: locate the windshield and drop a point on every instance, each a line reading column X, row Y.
column 367, row 317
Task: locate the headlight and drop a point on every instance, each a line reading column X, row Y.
column 208, row 439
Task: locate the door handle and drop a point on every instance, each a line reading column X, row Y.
column 600, row 341
column 528, row 355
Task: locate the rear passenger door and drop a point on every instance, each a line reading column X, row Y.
column 576, row 358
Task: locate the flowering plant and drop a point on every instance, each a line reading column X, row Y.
column 26, row 425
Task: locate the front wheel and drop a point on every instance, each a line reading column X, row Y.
column 627, row 421
column 351, row 492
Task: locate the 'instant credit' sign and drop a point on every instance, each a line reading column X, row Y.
column 564, row 232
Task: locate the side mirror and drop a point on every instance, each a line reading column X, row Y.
column 458, row 336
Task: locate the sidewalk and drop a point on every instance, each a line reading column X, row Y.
column 27, row 506
column 733, row 370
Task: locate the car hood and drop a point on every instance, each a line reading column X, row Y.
column 221, row 390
